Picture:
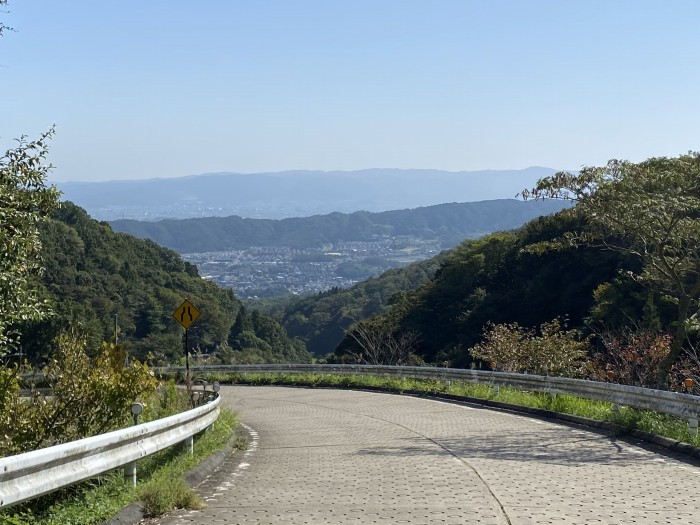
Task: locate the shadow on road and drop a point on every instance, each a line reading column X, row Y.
column 552, row 446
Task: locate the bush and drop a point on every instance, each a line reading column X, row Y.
column 89, row 397
column 632, row 357
column 555, row 352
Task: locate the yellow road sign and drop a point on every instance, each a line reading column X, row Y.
column 186, row 314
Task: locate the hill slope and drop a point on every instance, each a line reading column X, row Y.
column 498, row 279
column 95, row 277
column 320, row 320
column 447, row 301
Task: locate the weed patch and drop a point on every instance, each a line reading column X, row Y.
column 159, row 498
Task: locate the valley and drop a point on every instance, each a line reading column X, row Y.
column 260, row 258
column 258, row 272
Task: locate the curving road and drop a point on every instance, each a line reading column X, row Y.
column 336, row 457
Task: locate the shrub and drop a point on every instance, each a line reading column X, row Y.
column 89, row 397
column 631, row 357
column 555, row 351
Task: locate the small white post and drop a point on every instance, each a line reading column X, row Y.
column 130, row 469
column 189, row 445
column 693, row 426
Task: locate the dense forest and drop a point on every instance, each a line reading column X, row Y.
column 450, row 298
column 497, row 279
column 447, row 223
column 97, row 281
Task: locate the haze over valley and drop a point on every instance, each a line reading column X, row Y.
column 293, row 193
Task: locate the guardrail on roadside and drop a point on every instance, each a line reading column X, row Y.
column 677, row 404
column 31, row 474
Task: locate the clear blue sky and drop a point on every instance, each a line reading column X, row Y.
column 164, row 88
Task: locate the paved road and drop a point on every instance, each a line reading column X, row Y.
column 337, row 457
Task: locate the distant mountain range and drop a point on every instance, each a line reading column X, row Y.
column 293, row 193
column 447, row 223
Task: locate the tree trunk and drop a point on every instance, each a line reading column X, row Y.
column 679, row 334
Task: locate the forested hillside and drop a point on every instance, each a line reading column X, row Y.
column 447, row 223
column 497, row 279
column 96, row 278
column 500, row 278
column 320, row 320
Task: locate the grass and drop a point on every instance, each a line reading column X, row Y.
column 158, row 499
column 161, row 487
column 625, row 419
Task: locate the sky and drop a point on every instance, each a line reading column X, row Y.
column 167, row 88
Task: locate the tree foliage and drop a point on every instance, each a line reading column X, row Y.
column 650, row 210
column 25, row 202
column 631, row 356
column 498, row 279
column 4, row 27
column 257, row 338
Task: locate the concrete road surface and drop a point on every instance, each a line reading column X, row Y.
column 337, row 457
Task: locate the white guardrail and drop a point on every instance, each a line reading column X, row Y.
column 682, row 405
column 26, row 476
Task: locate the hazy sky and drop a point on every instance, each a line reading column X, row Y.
column 164, row 88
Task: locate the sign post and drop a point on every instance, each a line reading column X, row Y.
column 186, row 314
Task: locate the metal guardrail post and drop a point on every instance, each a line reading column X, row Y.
column 130, row 472
column 215, row 388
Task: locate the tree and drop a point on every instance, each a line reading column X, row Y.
column 373, row 343
column 3, row 27
column 25, row 202
column 632, row 356
column 650, row 210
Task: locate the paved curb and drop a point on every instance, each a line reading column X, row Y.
column 133, row 513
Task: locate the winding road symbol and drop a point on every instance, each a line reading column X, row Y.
column 186, row 314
